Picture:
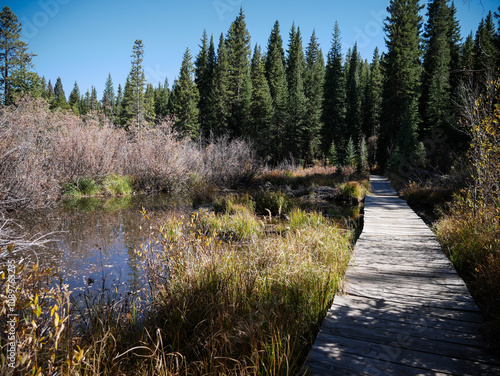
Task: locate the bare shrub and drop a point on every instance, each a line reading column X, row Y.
column 160, row 160
column 227, row 162
column 42, row 150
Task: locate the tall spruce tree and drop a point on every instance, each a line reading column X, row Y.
column 219, row 105
column 353, row 95
column 402, row 68
column 261, row 108
column 485, row 52
column 94, row 102
column 134, row 97
column 204, row 76
column 74, row 97
column 467, row 57
column 118, row 104
column 16, row 76
column 108, row 98
column 126, row 105
column 276, row 77
column 455, row 40
column 49, row 94
column 239, row 83
column 297, row 104
column 373, row 98
column 435, row 101
column 314, row 82
column 161, row 100
column 60, row 96
column 334, row 96
column 185, row 99
column 149, row 104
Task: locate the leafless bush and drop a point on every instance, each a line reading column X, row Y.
column 160, row 160
column 41, row 150
column 228, row 162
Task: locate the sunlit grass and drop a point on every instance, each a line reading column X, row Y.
column 117, row 185
column 228, row 291
column 472, row 241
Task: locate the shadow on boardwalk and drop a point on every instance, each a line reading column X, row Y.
column 404, row 310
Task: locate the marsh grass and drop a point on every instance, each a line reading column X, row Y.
column 229, row 291
column 115, row 185
column 249, row 304
column 302, row 177
column 252, row 307
column 472, row 242
column 356, row 190
column 272, row 203
column 81, row 188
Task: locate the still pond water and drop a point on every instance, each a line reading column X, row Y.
column 96, row 239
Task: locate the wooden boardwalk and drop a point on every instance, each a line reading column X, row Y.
column 404, row 311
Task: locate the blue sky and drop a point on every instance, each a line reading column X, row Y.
column 85, row 40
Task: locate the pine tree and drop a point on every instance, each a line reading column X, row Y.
column 399, row 118
column 485, row 52
column 455, row 40
column 362, row 162
column 43, row 87
column 118, row 105
column 239, row 84
column 334, row 96
column 467, row 56
column 261, row 108
column 435, row 101
column 219, row 110
column 134, row 96
column 94, row 102
column 314, row 82
column 74, row 96
column 276, row 77
column 295, row 133
column 350, row 154
column 50, row 95
column 373, row 98
column 60, row 97
column 16, row 77
column 332, row 155
column 353, row 95
column 149, row 105
column 126, row 112
column 108, row 98
column 185, row 99
column 204, row 71
column 161, row 100
column 73, row 99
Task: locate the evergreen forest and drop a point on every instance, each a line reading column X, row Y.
column 292, row 100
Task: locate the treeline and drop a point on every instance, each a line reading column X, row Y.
column 399, row 110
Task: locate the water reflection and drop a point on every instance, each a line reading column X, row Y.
column 96, row 238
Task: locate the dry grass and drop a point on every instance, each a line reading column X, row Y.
column 472, row 241
column 224, row 296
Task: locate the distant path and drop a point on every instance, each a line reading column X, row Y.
column 405, row 310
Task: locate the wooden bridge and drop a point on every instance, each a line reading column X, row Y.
column 404, row 311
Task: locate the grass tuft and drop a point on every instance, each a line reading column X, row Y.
column 117, row 185
column 355, row 189
column 82, row 187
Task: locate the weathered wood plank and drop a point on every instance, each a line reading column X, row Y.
column 405, row 311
